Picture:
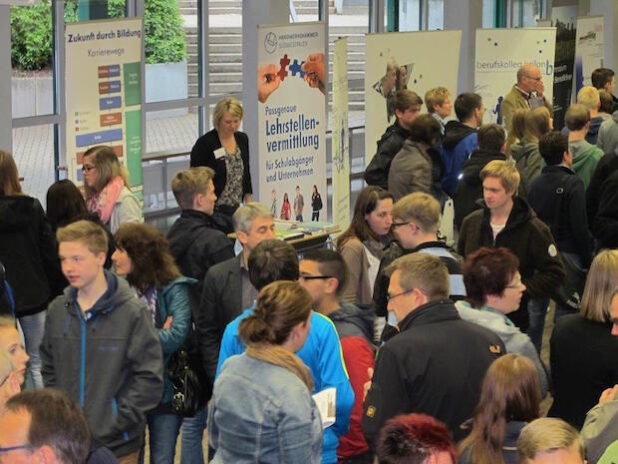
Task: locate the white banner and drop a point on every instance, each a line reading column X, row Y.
column 501, row 52
column 292, row 118
column 341, row 139
column 394, row 61
column 589, row 52
column 104, row 91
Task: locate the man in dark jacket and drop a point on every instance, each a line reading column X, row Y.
column 421, row 369
column 491, row 140
column 605, row 79
column 194, row 241
column 605, row 226
column 508, row 221
column 323, row 274
column 100, row 345
column 227, row 290
column 407, row 108
column 460, row 138
column 606, row 166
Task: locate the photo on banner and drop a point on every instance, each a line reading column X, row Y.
column 500, row 53
column 405, row 60
column 589, row 51
column 341, row 138
column 291, row 86
column 104, row 73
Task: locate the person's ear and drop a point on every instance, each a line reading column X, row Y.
column 44, row 455
column 242, row 237
column 332, row 284
column 101, row 258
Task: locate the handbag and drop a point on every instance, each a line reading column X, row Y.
column 187, row 390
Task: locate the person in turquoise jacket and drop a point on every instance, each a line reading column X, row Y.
column 143, row 256
column 275, row 260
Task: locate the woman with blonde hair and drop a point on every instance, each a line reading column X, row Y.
column 261, row 408
column 106, row 184
column 510, row 398
column 583, row 350
column 28, row 251
column 226, row 150
column 537, row 122
column 10, row 343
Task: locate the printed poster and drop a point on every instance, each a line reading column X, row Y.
column 405, row 60
column 500, row 53
column 589, row 52
column 341, row 139
column 292, row 73
column 104, row 88
column 564, row 20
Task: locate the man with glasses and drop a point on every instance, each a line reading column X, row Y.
column 323, row 275
column 526, row 94
column 436, row 364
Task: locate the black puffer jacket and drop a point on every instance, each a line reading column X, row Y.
column 605, row 227
column 470, row 186
column 28, row 251
column 388, row 146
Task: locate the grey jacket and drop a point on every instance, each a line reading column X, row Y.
column 410, row 171
column 260, row 412
column 528, row 161
column 108, row 360
column 514, row 340
column 600, row 429
column 126, row 210
column 608, row 134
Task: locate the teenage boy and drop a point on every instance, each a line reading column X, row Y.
column 585, row 155
column 273, row 260
column 605, row 79
column 460, row 138
column 506, row 220
column 100, row 345
column 407, row 108
column 323, row 274
column 438, row 102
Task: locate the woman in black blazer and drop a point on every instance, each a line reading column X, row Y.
column 226, row 150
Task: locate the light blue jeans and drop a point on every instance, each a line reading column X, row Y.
column 192, row 436
column 537, row 311
column 33, row 328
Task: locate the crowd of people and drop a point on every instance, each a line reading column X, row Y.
column 111, row 331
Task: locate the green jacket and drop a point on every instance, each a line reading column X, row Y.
column 585, row 159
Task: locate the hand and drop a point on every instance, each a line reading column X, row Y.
column 314, row 71
column 609, row 394
column 248, row 198
column 168, row 322
column 268, row 81
column 367, row 385
column 540, row 88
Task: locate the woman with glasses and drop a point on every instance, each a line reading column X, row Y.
column 494, row 289
column 28, row 251
column 106, row 184
column 362, row 243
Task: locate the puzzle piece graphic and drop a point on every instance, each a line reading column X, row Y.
column 296, row 68
column 284, row 62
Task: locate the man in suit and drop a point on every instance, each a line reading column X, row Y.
column 227, row 289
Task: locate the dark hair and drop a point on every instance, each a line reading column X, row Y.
column 330, row 263
column 65, row 203
column 366, row 202
column 607, row 102
column 151, row 258
column 491, row 137
column 405, row 99
column 425, row 129
column 412, row 438
column 601, row 76
column 56, row 421
column 488, row 271
column 511, row 391
column 552, row 147
column 272, row 260
column 465, row 104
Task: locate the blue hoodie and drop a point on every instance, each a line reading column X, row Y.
column 322, row 354
column 458, row 144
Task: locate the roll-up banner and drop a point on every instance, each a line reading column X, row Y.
column 589, row 52
column 341, row 139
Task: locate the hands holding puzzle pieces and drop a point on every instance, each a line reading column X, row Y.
column 311, row 70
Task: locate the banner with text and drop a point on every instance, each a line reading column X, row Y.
column 341, row 137
column 292, row 120
column 563, row 18
column 500, row 53
column 589, row 53
column 104, row 92
column 405, row 60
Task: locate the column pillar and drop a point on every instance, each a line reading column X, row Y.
column 6, row 117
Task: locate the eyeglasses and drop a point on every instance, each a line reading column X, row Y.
column 5, row 379
column 534, row 78
column 399, row 224
column 316, row 277
column 15, row 448
column 516, row 285
column 87, row 168
column 392, row 297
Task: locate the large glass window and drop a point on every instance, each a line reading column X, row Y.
column 435, row 15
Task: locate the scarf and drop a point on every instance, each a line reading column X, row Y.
column 103, row 202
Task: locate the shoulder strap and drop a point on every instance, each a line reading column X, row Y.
column 555, row 226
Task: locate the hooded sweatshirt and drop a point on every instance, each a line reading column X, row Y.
column 585, row 159
column 459, row 142
column 528, row 161
column 608, row 134
column 108, row 359
column 355, row 329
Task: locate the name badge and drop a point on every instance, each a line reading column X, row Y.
column 219, row 153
